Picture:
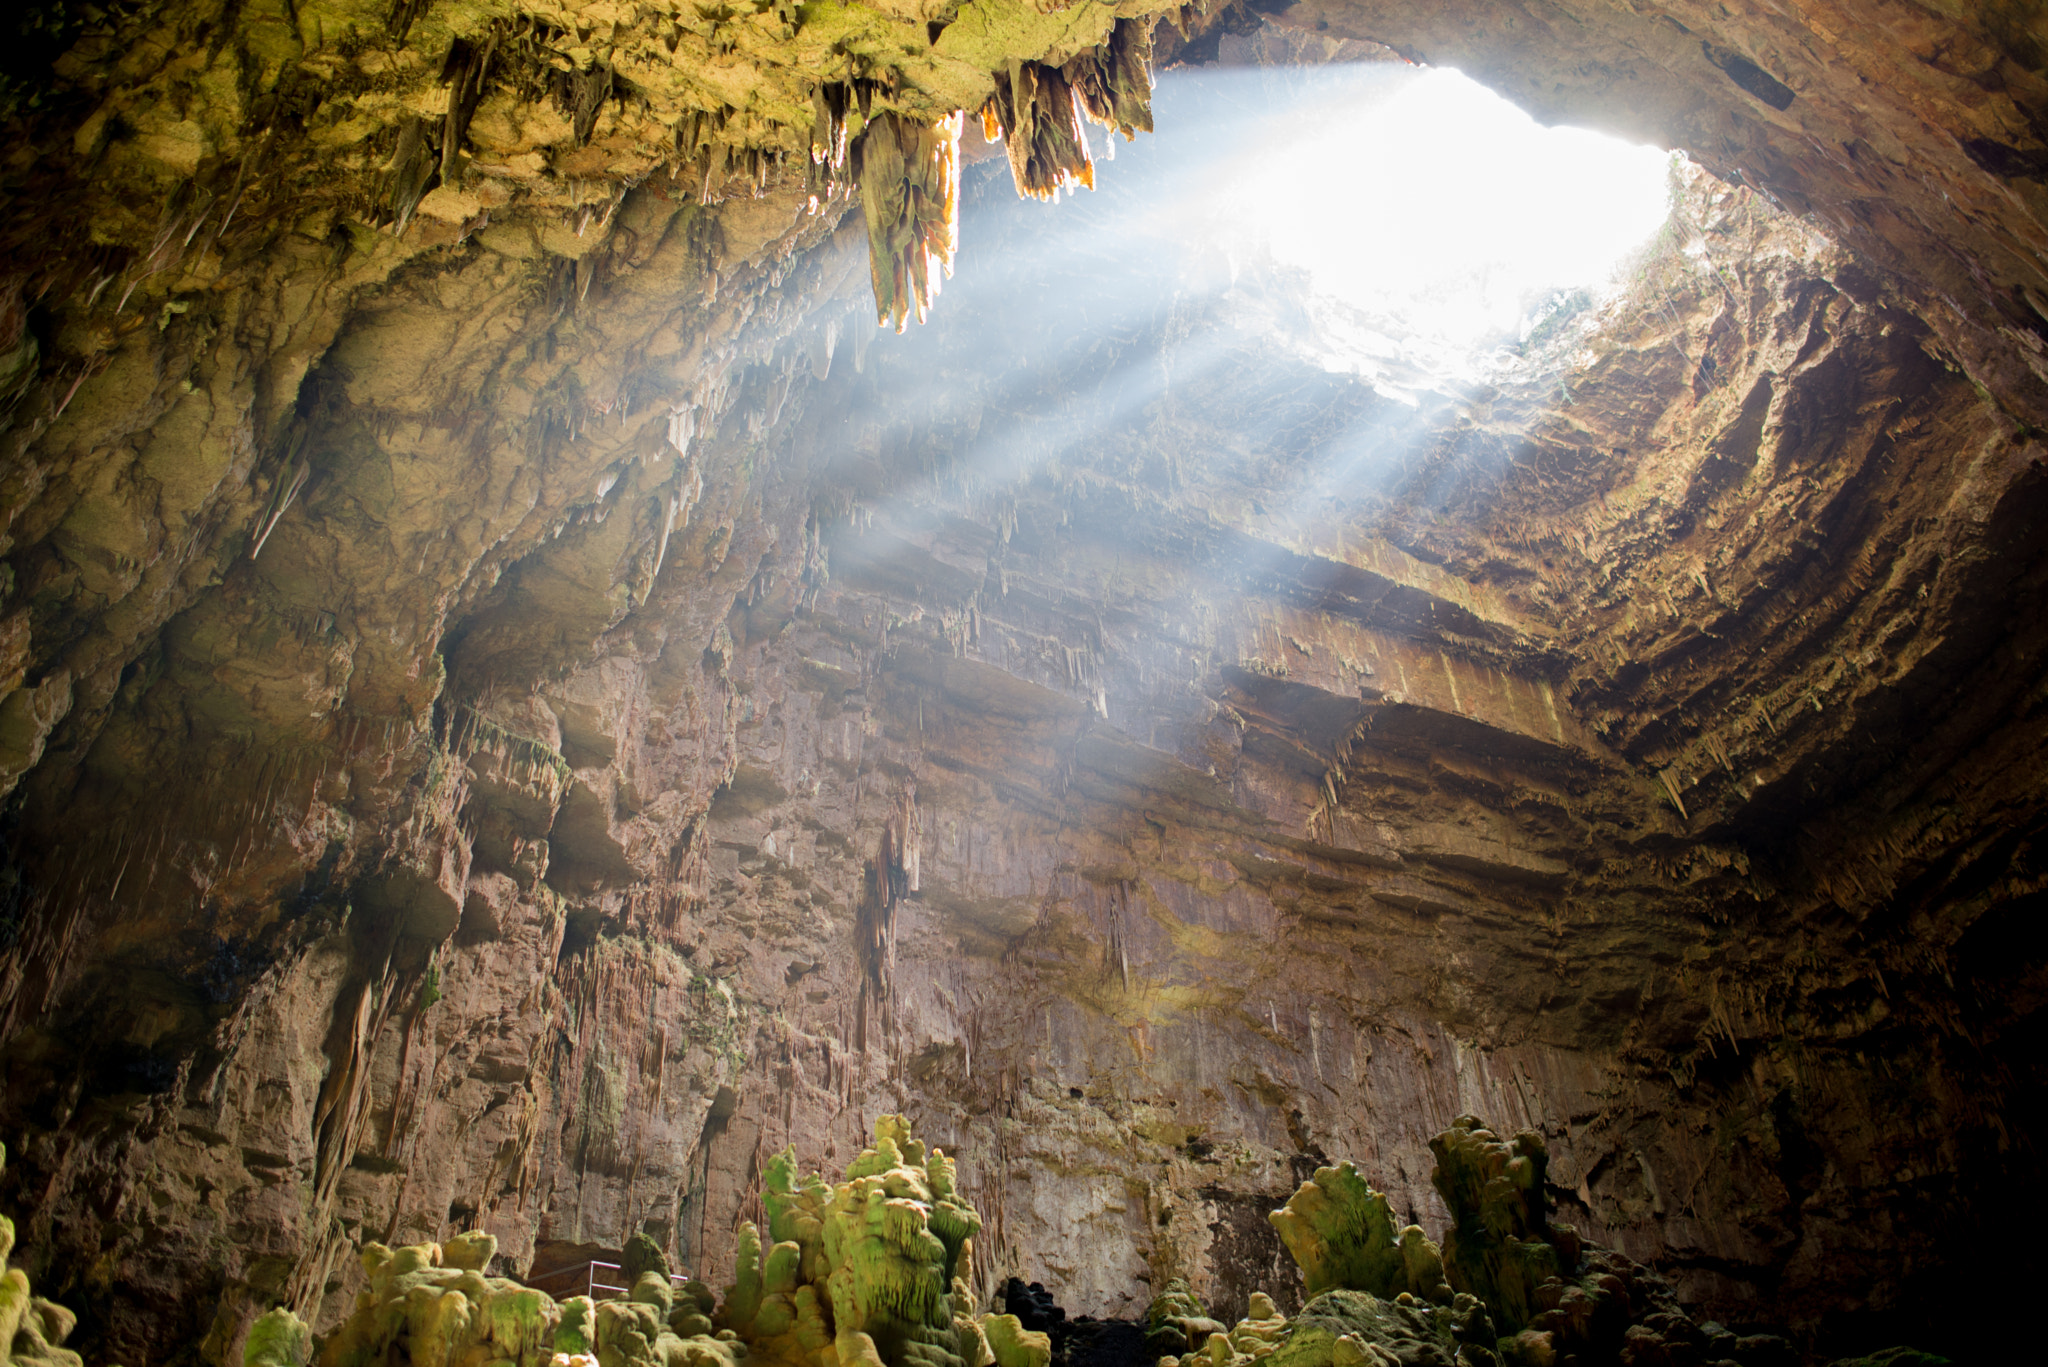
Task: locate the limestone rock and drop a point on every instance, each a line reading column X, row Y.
column 642, row 1256
column 1012, row 1345
column 1351, row 1328
column 1253, row 1339
column 1341, row 1234
column 1176, row 1322
column 32, row 1330
column 1285, row 766
column 869, row 1266
column 1549, row 1295
column 278, row 1339
column 1499, row 1244
column 432, row 1310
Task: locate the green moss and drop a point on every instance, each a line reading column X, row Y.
column 1176, row 1321
column 31, row 1328
column 642, row 1255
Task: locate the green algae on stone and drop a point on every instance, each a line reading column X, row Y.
column 470, row 1252
column 1550, row 1296
column 1012, row 1345
column 642, row 1255
column 909, row 173
column 1341, row 1328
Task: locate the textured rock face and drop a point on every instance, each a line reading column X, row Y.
column 514, row 722
column 32, row 1330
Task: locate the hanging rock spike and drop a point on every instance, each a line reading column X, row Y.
column 909, row 175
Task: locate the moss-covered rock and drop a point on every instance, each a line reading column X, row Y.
column 1371, row 1330
column 278, row 1339
column 1012, row 1345
column 432, row 1306
column 867, row 1267
column 1345, row 1328
column 1176, row 1322
column 642, row 1256
column 1342, row 1234
column 1500, row 1245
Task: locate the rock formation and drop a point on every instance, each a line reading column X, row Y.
column 517, row 704
column 867, row 1276
column 1510, row 1285
column 32, row 1330
column 433, row 1304
column 873, row 1269
column 1341, row 1234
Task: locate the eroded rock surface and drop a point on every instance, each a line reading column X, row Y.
column 520, row 708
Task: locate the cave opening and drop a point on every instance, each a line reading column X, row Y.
column 543, row 751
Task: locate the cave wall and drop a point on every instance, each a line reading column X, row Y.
column 461, row 654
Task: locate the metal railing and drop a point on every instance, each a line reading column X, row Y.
column 588, row 1279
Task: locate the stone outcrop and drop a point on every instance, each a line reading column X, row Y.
column 1510, row 1285
column 32, row 1329
column 481, row 609
column 1176, row 1322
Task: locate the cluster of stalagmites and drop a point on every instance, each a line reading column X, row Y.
column 1508, row 1286
column 434, row 1306
column 867, row 1273
column 874, row 1271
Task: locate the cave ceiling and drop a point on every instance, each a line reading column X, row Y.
column 518, row 699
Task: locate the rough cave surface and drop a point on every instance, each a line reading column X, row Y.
column 516, row 706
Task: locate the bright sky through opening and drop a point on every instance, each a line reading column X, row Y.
column 1446, row 211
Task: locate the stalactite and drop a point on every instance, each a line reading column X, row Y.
column 830, row 103
column 1040, row 112
column 1113, row 82
column 909, row 174
column 1035, row 112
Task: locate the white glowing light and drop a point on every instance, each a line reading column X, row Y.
column 1445, row 210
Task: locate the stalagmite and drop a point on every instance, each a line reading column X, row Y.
column 433, row 1305
column 1341, row 1233
column 876, row 1267
column 32, row 1330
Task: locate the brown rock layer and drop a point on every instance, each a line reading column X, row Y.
column 456, row 678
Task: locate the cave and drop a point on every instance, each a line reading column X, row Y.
column 605, row 603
